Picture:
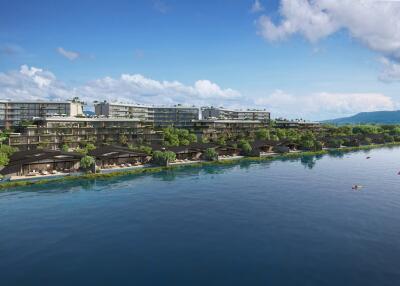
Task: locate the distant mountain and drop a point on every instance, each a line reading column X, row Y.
column 380, row 117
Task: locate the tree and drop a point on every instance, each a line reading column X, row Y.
column 123, row 139
column 8, row 150
column 263, row 134
column 221, row 141
column 65, row 147
column 3, row 159
column 245, row 146
column 388, row 138
column 210, row 154
column 192, row 138
column 87, row 162
column 163, row 158
column 89, row 147
column 184, row 142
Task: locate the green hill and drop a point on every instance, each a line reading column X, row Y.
column 379, row 117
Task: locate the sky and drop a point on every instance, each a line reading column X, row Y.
column 315, row 60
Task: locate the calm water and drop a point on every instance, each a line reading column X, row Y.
column 295, row 222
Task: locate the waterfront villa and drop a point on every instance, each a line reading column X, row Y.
column 116, row 157
column 41, row 162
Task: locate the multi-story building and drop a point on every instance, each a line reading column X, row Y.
column 284, row 123
column 161, row 116
column 212, row 129
column 231, row 114
column 53, row 132
column 12, row 113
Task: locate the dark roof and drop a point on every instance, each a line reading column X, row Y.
column 18, row 159
column 113, row 152
column 202, row 146
column 260, row 143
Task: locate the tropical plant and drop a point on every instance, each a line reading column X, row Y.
column 163, row 158
column 3, row 159
column 210, row 154
column 87, row 162
column 263, row 134
column 65, row 147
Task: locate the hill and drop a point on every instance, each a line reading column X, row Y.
column 379, row 117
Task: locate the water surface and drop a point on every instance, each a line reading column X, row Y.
column 292, row 222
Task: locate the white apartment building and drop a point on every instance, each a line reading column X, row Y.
column 12, row 113
column 231, row 114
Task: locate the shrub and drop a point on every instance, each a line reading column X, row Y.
column 210, row 154
column 65, row 147
column 263, row 134
column 245, row 146
column 87, row 162
column 90, row 147
column 388, row 138
column 3, row 159
column 8, row 150
column 163, row 158
column 335, row 143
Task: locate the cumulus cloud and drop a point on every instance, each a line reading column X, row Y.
column 68, row 54
column 324, row 105
column 374, row 23
column 257, row 7
column 35, row 83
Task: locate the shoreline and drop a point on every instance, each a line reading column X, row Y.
column 156, row 169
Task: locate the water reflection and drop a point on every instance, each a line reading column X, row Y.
column 101, row 184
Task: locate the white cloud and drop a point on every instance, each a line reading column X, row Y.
column 68, row 54
column 35, row 83
column 324, row 105
column 374, row 23
column 390, row 70
column 257, row 7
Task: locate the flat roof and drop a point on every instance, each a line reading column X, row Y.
column 227, row 121
column 236, row 110
column 87, row 119
column 147, row 106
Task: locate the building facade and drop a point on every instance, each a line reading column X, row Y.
column 230, row 114
column 177, row 116
column 213, row 129
column 13, row 113
column 54, row 132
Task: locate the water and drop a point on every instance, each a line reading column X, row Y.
column 294, row 222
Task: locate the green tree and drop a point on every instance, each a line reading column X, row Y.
column 245, row 146
column 89, row 147
column 123, row 139
column 87, row 162
column 184, row 142
column 210, row 154
column 263, row 134
column 65, row 148
column 163, row 158
column 192, row 138
column 3, row 159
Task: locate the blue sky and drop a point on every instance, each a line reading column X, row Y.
column 220, row 52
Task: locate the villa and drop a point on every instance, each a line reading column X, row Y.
column 108, row 157
column 41, row 163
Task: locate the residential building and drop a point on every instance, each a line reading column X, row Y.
column 161, row 116
column 53, row 132
column 231, row 114
column 12, row 113
column 284, row 123
column 213, row 129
